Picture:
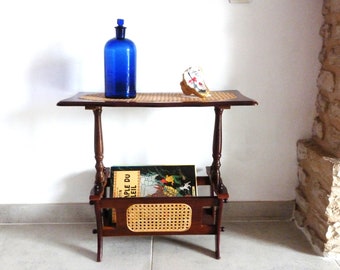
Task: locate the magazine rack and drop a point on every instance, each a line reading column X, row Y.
column 187, row 215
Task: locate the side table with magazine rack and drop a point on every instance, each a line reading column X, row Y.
column 196, row 215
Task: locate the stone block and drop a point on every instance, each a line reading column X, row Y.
column 326, row 78
column 319, row 165
column 302, row 203
column 333, row 57
column 325, row 30
column 318, row 128
column 333, row 138
column 302, row 152
column 321, row 104
column 332, row 246
column 334, row 110
column 333, row 208
column 336, row 32
column 334, row 6
column 317, row 223
column 322, row 55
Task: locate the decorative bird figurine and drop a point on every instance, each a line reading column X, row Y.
column 193, row 83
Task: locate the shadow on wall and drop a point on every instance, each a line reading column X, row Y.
column 51, row 71
column 49, row 75
column 34, row 129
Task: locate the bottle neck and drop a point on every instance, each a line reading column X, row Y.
column 120, row 32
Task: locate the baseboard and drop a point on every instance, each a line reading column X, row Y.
column 47, row 213
column 258, row 211
column 84, row 213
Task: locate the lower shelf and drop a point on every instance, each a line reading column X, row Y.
column 158, row 216
column 203, row 214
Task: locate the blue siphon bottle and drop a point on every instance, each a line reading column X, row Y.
column 120, row 65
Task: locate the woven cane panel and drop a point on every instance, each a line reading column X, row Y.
column 164, row 97
column 165, row 217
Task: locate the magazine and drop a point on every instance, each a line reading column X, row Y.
column 150, row 181
column 153, row 181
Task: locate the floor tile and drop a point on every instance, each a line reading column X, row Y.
column 269, row 245
column 69, row 247
column 244, row 245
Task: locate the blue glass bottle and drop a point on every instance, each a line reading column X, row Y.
column 120, row 65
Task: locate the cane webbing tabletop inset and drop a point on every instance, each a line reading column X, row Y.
column 163, row 97
column 165, row 217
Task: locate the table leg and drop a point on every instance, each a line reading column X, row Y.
column 218, row 230
column 99, row 231
column 100, row 177
column 99, row 151
column 219, row 187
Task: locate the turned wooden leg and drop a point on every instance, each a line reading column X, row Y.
column 100, row 177
column 98, row 150
column 219, row 188
column 99, row 231
column 217, row 148
column 218, row 230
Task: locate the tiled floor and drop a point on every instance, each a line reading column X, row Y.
column 246, row 245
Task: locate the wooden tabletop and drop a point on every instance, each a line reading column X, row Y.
column 225, row 98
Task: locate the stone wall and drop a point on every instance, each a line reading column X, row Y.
column 317, row 197
column 326, row 128
column 318, row 193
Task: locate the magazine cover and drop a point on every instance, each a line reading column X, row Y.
column 153, row 181
column 149, row 181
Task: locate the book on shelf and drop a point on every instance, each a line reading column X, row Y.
column 151, row 181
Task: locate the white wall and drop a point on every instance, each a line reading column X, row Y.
column 52, row 49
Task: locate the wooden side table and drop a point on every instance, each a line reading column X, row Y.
column 205, row 212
